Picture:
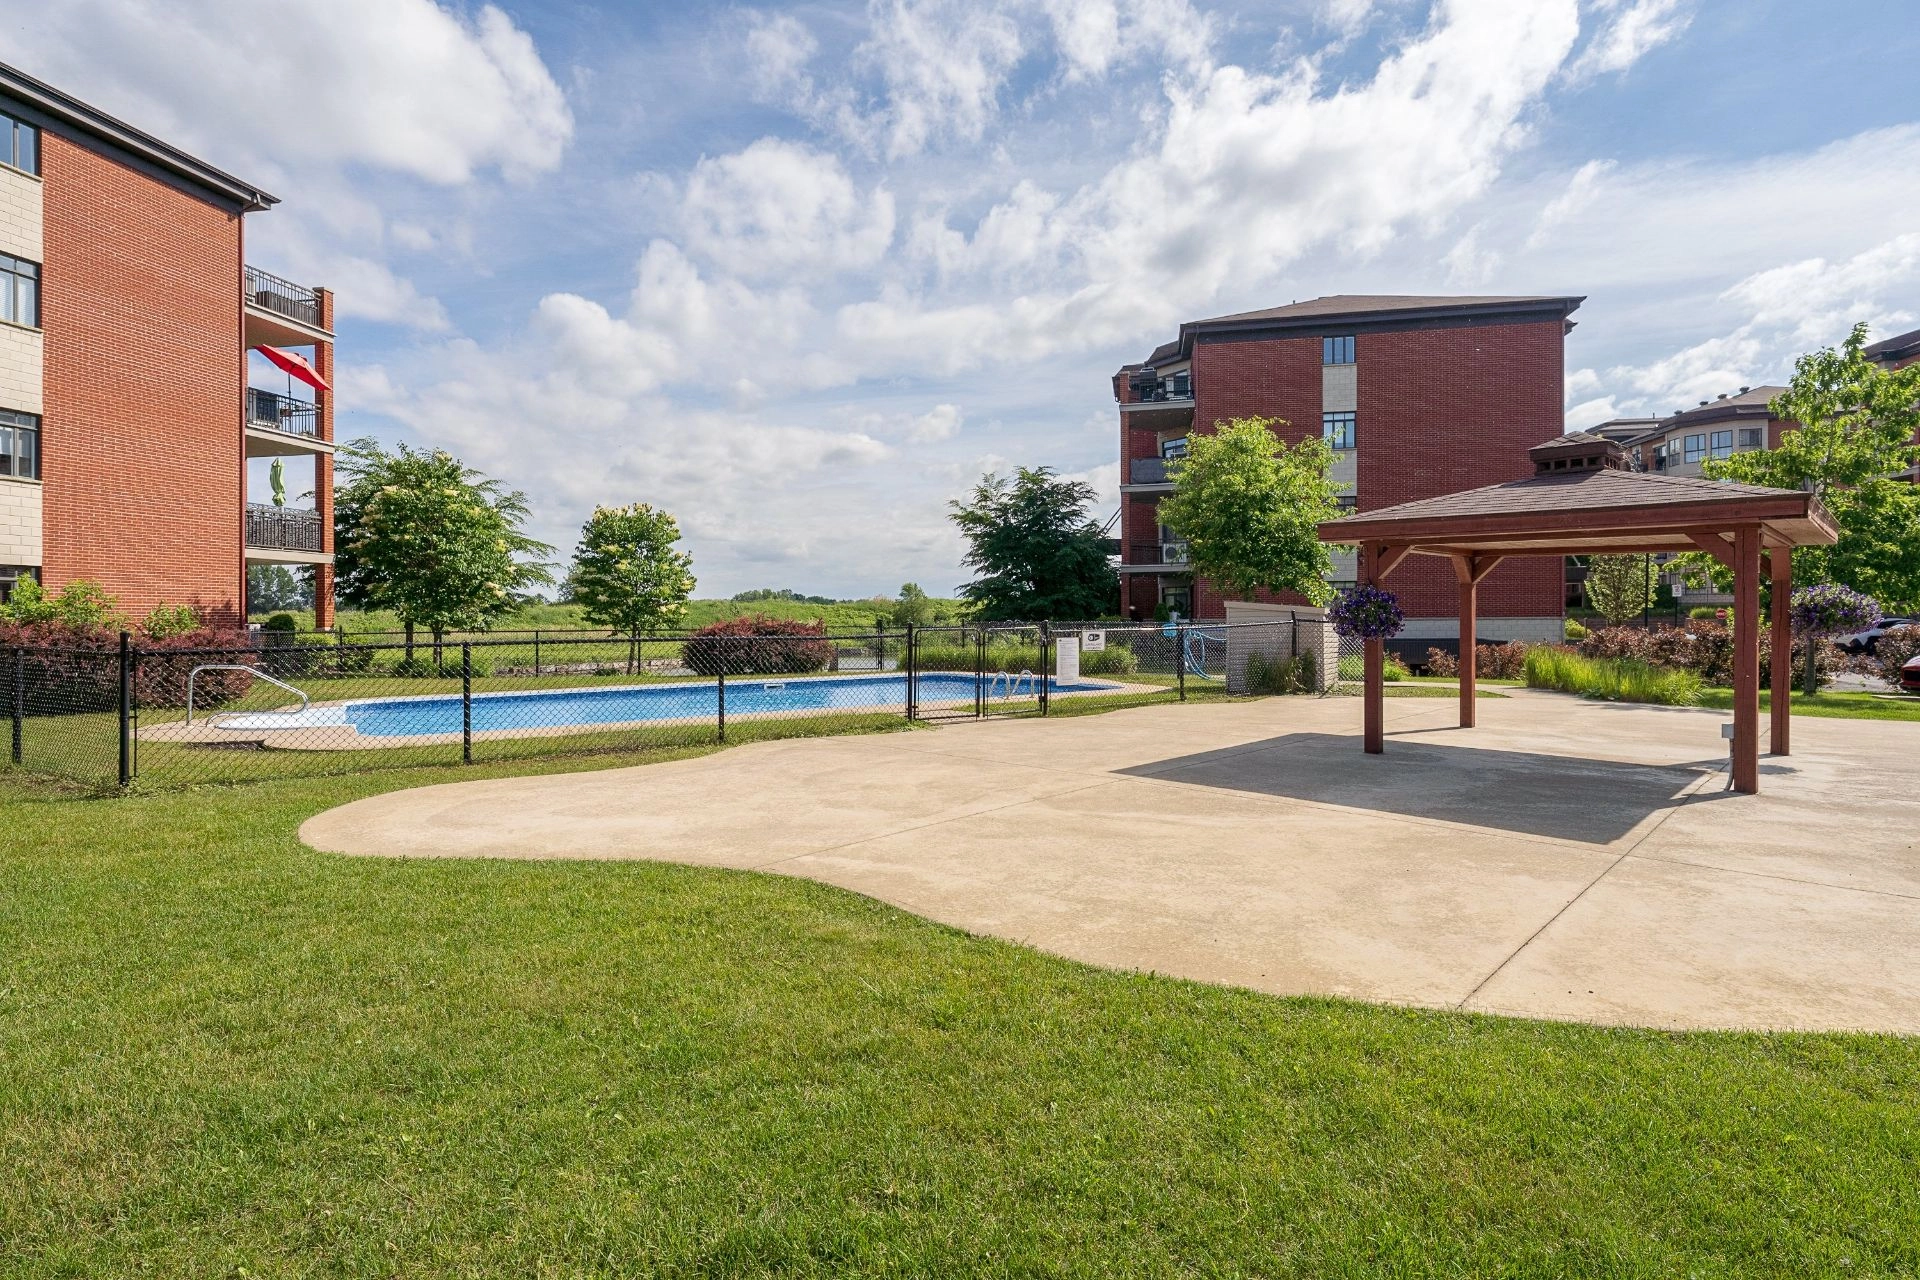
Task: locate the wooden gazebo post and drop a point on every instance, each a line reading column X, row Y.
column 1780, row 571
column 1469, row 568
column 1746, row 659
column 1373, row 679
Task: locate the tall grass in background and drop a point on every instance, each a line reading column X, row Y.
column 1611, row 679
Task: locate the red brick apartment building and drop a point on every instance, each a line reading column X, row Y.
column 1420, row 396
column 133, row 450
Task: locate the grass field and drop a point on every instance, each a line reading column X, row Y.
column 1837, row 704
column 224, row 1054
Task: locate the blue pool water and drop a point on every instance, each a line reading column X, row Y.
column 746, row 695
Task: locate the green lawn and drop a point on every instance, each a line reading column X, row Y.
column 1841, row 704
column 223, row 1054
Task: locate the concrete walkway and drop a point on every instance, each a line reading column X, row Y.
column 1566, row 859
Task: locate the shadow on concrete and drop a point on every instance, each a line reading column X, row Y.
column 1562, row 797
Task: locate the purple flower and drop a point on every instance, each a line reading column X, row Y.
column 1368, row 613
column 1832, row 610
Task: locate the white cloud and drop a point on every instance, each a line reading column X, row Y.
column 780, row 208
column 403, row 85
column 779, row 47
column 1632, row 30
column 942, row 64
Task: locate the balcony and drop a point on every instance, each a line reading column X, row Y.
column 1150, row 396
column 1147, row 471
column 280, row 313
column 285, row 535
column 1156, row 555
column 282, row 413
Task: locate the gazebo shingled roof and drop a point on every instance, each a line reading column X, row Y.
column 1582, row 500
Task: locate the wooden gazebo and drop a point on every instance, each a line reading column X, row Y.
column 1582, row 500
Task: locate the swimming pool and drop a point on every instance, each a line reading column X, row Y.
column 435, row 714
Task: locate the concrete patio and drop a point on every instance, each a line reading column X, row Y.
column 1566, row 859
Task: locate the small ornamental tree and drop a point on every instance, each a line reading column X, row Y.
column 1620, row 587
column 757, row 646
column 437, row 542
column 1249, row 508
column 1366, row 613
column 626, row 573
column 1828, row 610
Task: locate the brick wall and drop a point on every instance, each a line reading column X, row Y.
column 143, row 461
column 1439, row 410
column 1448, row 409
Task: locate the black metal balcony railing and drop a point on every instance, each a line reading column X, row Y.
column 283, row 297
column 282, row 413
column 1149, row 386
column 1147, row 471
column 1157, row 553
column 283, row 528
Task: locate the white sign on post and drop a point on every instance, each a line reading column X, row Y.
column 1066, row 660
column 1093, row 641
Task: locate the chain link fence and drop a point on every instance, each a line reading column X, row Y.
column 280, row 706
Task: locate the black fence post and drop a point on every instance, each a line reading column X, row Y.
column 910, row 660
column 19, row 704
column 126, row 709
column 1180, row 658
column 466, row 702
column 536, row 651
column 1046, row 668
column 880, row 644
column 980, row 674
column 721, row 704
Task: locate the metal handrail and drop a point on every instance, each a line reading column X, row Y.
column 257, row 673
column 1013, row 683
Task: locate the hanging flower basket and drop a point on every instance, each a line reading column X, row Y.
column 1832, row 610
column 1367, row 613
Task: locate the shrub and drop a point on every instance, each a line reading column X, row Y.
column 281, row 622
column 1574, row 630
column 1705, row 648
column 1703, row 611
column 757, row 645
column 1612, row 679
column 1277, row 675
column 82, row 671
column 168, row 621
column 1442, row 663
column 1110, row 661
column 1892, row 652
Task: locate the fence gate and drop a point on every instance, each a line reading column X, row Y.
column 979, row 671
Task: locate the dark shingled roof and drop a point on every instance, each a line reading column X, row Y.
column 1359, row 304
column 1594, row 490
column 1370, row 311
column 1898, row 347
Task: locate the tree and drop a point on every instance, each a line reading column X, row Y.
column 437, row 542
column 1620, row 587
column 1040, row 555
column 914, row 608
column 1249, row 508
column 627, row 574
column 274, row 588
column 1857, row 425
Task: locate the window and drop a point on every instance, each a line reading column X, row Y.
column 1336, row 350
column 1695, row 448
column 1722, row 444
column 1338, row 430
column 1750, row 437
column 19, row 445
column 1346, row 501
column 19, row 291
column 1175, row 448
column 19, row 144
column 11, row 576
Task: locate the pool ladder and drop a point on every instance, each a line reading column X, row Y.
column 1012, row 684
column 257, row 674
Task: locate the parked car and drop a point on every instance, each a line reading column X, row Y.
column 1864, row 641
column 1910, row 675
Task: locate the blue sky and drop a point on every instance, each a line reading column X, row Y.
column 800, row 274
